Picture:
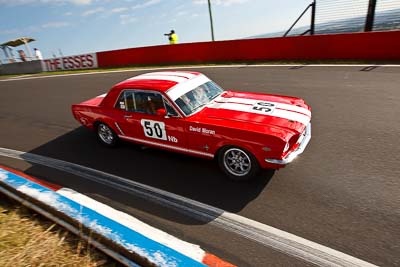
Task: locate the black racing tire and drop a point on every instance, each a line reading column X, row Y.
column 238, row 164
column 106, row 135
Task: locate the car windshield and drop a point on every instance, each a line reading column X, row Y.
column 198, row 97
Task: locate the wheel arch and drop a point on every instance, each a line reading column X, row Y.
column 96, row 124
column 108, row 123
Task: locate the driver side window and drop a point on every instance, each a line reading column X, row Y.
column 148, row 102
column 126, row 101
column 144, row 102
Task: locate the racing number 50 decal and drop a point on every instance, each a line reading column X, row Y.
column 264, row 107
column 154, row 129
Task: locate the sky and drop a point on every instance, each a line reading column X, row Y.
column 81, row 26
column 74, row 27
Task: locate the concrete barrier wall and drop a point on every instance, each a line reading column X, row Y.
column 21, row 67
column 352, row 46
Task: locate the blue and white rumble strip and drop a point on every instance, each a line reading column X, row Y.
column 120, row 232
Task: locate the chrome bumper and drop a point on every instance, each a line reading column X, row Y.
column 291, row 156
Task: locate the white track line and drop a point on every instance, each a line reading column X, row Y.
column 263, row 234
column 201, row 67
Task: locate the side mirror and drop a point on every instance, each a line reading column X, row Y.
column 161, row 112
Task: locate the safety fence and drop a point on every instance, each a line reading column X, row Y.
column 335, row 16
column 345, row 16
column 353, row 46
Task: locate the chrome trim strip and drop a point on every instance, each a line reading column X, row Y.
column 119, row 129
column 291, row 156
column 167, row 146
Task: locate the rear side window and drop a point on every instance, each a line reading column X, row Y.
column 121, row 102
column 126, row 101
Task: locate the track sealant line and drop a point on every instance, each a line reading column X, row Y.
column 119, row 235
column 265, row 235
column 201, row 67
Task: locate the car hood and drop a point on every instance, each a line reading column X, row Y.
column 258, row 112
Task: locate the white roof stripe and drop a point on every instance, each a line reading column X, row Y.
column 182, row 88
column 159, row 77
column 173, row 73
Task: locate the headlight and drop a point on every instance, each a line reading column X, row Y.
column 286, row 148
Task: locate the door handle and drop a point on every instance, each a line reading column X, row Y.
column 127, row 116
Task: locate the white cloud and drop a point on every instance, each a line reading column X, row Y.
column 68, row 14
column 146, row 4
column 220, row 2
column 16, row 2
column 25, row 2
column 180, row 7
column 182, row 13
column 81, row 2
column 55, row 24
column 35, row 28
column 119, row 9
column 126, row 19
column 9, row 31
column 93, row 11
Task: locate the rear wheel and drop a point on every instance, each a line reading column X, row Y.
column 238, row 163
column 106, row 135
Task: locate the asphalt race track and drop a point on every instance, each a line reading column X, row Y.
column 343, row 192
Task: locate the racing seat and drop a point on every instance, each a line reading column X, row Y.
column 150, row 106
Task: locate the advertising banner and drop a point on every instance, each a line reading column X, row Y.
column 78, row 62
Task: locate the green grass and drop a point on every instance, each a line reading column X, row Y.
column 28, row 239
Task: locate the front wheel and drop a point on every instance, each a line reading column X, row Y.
column 238, row 164
column 106, row 135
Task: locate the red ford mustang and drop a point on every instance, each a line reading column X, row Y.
column 187, row 112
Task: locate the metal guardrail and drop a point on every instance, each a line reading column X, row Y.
column 312, row 25
column 341, row 16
